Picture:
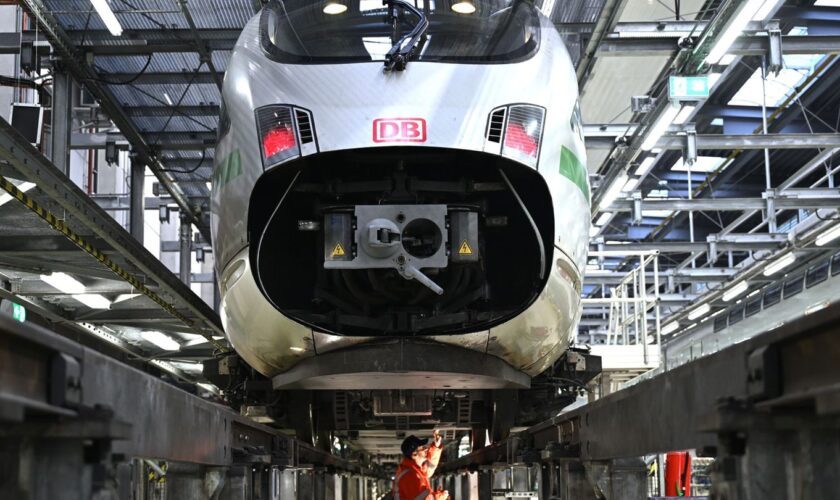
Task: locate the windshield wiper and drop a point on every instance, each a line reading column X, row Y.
column 404, row 49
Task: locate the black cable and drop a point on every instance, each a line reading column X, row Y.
column 130, row 80
column 191, row 170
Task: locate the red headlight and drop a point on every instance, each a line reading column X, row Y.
column 523, row 133
column 278, row 140
column 277, row 133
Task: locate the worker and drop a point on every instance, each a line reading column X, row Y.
column 419, row 462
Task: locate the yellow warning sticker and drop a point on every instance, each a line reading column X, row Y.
column 465, row 248
column 338, row 251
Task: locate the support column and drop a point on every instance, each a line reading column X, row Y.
column 138, row 174
column 62, row 108
column 186, row 249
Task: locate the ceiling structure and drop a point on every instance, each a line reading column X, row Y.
column 157, row 88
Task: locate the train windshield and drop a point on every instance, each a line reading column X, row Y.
column 342, row 31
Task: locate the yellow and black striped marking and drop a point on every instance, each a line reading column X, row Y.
column 60, row 226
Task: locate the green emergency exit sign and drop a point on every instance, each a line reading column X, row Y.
column 688, row 87
column 18, row 312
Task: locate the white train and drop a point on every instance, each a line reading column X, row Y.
column 400, row 196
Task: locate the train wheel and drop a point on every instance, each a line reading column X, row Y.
column 301, row 414
column 478, row 437
column 504, row 407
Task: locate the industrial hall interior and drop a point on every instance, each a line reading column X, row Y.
column 419, row 249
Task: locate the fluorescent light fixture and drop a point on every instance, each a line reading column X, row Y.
column 702, row 164
column 125, row 296
column 63, row 282
column 23, row 186
column 659, row 128
column 754, row 293
column 735, row 291
column 630, row 185
column 93, row 300
column 603, row 219
column 827, row 3
column 613, row 191
column 168, row 99
column 764, row 11
column 733, row 30
column 593, row 231
column 161, row 340
column 645, row 166
column 780, row 264
column 670, row 328
column 107, row 16
column 699, row 311
column 683, row 115
column 209, row 185
column 828, row 236
column 297, row 349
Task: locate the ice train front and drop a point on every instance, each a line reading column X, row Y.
column 440, row 206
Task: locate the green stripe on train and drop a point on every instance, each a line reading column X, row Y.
column 574, row 170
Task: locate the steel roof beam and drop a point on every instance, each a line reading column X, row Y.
column 155, row 78
column 165, row 111
column 724, row 244
column 83, row 73
column 154, row 140
column 779, row 202
column 750, row 45
column 676, row 141
column 15, row 149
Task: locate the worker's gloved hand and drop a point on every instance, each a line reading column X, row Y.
column 437, row 439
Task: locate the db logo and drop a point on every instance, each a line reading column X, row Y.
column 399, row 130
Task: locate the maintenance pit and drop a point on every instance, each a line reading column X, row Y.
column 592, row 245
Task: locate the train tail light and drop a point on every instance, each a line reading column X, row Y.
column 278, row 138
column 523, row 133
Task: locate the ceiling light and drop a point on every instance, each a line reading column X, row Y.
column 733, row 30
column 332, row 8
column 683, row 115
column 297, row 349
column 764, row 11
column 696, row 313
column 828, row 236
column 93, row 300
column 658, row 129
column 63, row 282
column 701, row 164
column 780, row 264
column 463, row 7
column 168, row 99
column 614, row 190
column 645, row 166
column 603, row 219
column 125, row 296
column 161, row 340
column 670, row 328
column 735, row 291
column 593, row 231
column 630, row 185
column 107, row 16
column 23, row 186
